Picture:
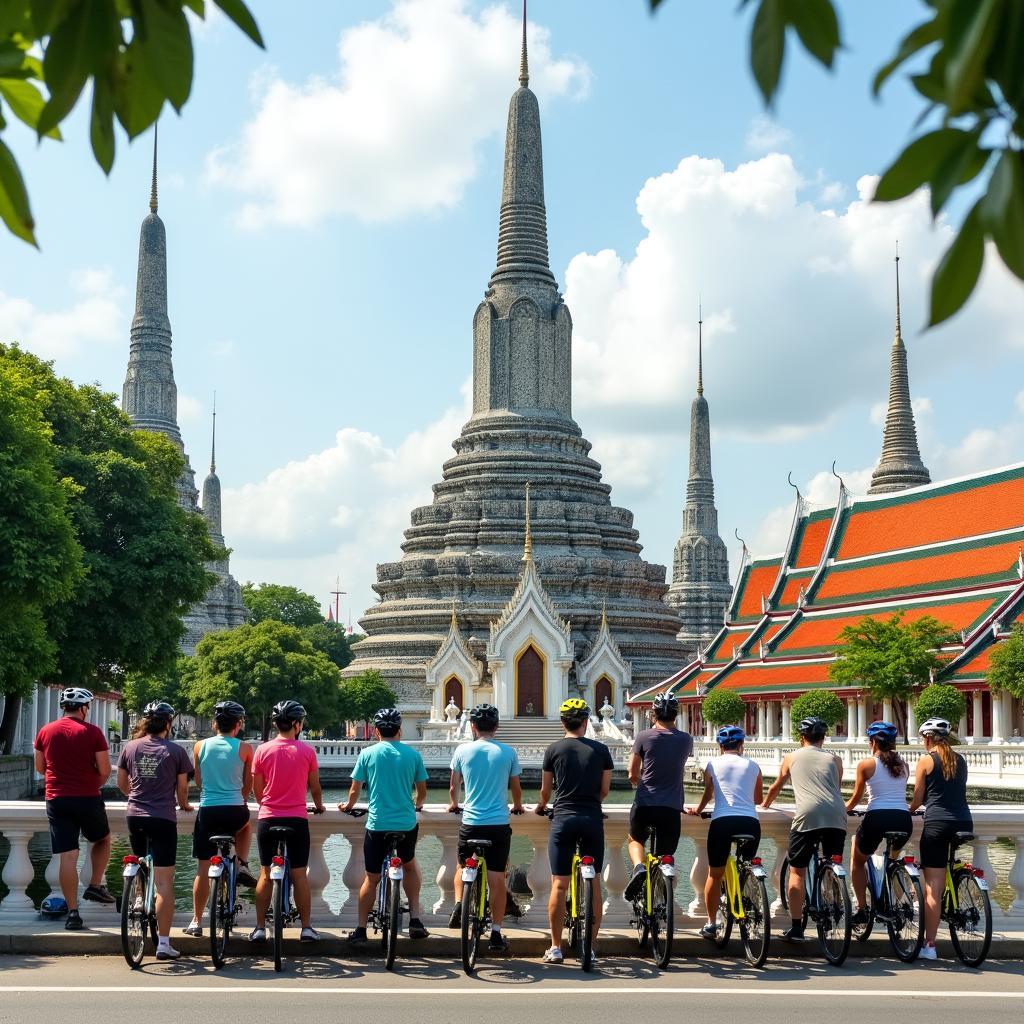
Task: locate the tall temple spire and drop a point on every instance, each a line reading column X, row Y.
column 700, row 349
column 211, row 488
column 213, row 438
column 900, row 466
column 524, row 64
column 152, row 188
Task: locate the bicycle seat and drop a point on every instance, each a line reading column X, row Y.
column 221, row 840
column 959, row 838
column 480, row 844
column 390, row 837
column 742, row 839
column 896, row 837
column 281, row 831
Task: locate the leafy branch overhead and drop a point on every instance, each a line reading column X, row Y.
column 136, row 54
column 966, row 63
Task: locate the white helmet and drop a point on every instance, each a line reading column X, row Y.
column 74, row 697
column 935, row 727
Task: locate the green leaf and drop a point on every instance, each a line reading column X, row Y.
column 14, row 206
column 973, row 25
column 1003, row 210
column 12, row 57
column 239, row 14
column 197, row 7
column 817, row 26
column 101, row 124
column 917, row 163
column 961, row 165
column 917, row 39
column 165, row 43
column 768, row 47
column 26, row 101
column 958, row 270
column 137, row 98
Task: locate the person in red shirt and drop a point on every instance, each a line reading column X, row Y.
column 73, row 756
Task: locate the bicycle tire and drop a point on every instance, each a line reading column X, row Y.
column 662, row 918
column 277, row 913
column 755, row 928
column 472, row 926
column 393, row 912
column 906, row 914
column 587, row 925
column 133, row 922
column 640, row 919
column 964, row 921
column 862, row 932
column 723, row 920
column 220, row 921
column 834, row 914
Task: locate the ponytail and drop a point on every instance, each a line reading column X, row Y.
column 946, row 757
column 150, row 727
column 889, row 756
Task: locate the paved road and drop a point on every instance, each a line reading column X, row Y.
column 96, row 990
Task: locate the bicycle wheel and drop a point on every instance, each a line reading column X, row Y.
column 277, row 910
column 472, row 926
column 723, row 920
column 906, row 915
column 587, row 924
column 833, row 917
column 862, row 932
column 755, row 926
column 970, row 925
column 220, row 920
column 662, row 918
column 393, row 917
column 133, row 920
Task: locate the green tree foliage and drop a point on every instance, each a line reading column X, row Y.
column 330, row 638
column 1006, row 671
column 141, row 688
column 940, row 700
column 259, row 665
column 723, row 707
column 363, row 695
column 823, row 704
column 136, row 55
column 965, row 64
column 281, row 603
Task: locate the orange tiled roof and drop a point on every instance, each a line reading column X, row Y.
column 975, row 667
column 689, row 688
column 812, row 540
column 757, row 676
column 758, row 580
column 727, row 646
column 791, row 591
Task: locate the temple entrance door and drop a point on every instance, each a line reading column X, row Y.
column 453, row 692
column 603, row 694
column 530, row 684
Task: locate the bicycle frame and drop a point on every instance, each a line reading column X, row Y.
column 476, row 865
column 586, row 871
column 223, row 861
column 280, row 871
column 132, row 866
column 390, row 868
column 950, row 903
column 732, row 888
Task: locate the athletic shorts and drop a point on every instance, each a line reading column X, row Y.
column 566, row 831
column 496, row 854
column 216, row 821
column 665, row 821
column 875, row 824
column 936, row 837
column 801, row 844
column 375, row 847
column 721, row 831
column 298, row 841
column 162, row 835
column 71, row 816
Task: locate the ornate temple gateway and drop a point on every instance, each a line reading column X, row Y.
column 500, row 597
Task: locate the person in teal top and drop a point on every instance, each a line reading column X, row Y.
column 223, row 766
column 390, row 770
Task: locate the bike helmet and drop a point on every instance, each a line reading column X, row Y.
column 387, row 718
column 288, row 711
column 730, row 736
column 53, row 908
column 883, row 731
column 229, row 709
column 158, row 709
column 935, row 727
column 574, row 711
column 75, row 697
column 813, row 727
column 665, row 706
column 484, row 717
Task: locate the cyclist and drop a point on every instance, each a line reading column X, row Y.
column 391, row 770
column 656, row 769
column 282, row 770
column 735, row 783
column 816, row 776
column 74, row 757
column 940, row 785
column 885, row 776
column 579, row 772
column 488, row 769
column 152, row 772
column 224, row 778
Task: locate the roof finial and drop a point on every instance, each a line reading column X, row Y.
column 789, row 480
column 213, row 440
column 842, row 486
column 528, row 541
column 898, row 340
column 604, row 615
column 700, row 348
column 524, row 67
column 455, row 621
column 152, row 190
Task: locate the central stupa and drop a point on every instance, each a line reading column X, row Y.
column 465, row 615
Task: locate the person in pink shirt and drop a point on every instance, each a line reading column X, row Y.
column 282, row 770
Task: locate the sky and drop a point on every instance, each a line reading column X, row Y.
column 331, row 207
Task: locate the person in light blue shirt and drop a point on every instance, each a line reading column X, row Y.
column 390, row 770
column 487, row 770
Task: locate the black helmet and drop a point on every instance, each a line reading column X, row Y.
column 665, row 706
column 484, row 717
column 288, row 711
column 813, row 727
column 387, row 718
column 158, row 709
column 229, row 709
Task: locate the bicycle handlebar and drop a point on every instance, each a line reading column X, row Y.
column 356, row 812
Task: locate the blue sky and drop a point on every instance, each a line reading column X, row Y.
column 332, row 219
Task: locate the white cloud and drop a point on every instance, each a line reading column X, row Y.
column 396, row 128
column 765, row 135
column 190, row 409
column 96, row 316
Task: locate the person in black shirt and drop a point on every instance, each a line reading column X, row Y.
column 579, row 772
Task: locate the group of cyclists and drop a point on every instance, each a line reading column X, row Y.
column 153, row 772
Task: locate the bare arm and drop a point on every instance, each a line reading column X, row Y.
column 183, row 803
column 454, row 786
column 709, row 792
column 547, row 783
column 839, row 765
column 195, row 762
column 421, row 795
column 859, row 781
column 102, row 762
column 353, row 796
column 758, row 788
column 258, row 782
column 606, row 782
column 633, row 770
column 124, row 783
column 41, row 763
column 776, row 787
column 517, row 794
column 245, row 752
column 315, row 791
column 919, row 783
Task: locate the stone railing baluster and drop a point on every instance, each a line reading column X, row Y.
column 615, row 874
column 1016, row 879
column 18, row 874
column 318, row 872
column 446, row 872
column 538, row 878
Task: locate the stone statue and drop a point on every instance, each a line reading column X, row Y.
column 607, row 712
column 452, row 711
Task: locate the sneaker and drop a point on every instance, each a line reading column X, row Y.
column 357, row 938
column 859, row 919
column 455, row 921
column 554, row 956
column 98, row 894
column 416, row 929
column 498, row 944
column 74, row 922
column 167, row 952
column 636, row 883
column 258, row 935
column 709, row 931
column 309, row 935
column 194, row 928
column 794, row 933
column 928, row 952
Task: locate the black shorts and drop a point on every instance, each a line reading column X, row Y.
column 569, row 829
column 298, row 841
column 665, row 821
column 496, row 854
column 162, row 835
column 802, row 844
column 936, row 837
column 375, row 847
column 875, row 824
column 216, row 821
column 721, row 831
column 70, row 816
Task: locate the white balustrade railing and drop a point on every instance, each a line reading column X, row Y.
column 20, row 820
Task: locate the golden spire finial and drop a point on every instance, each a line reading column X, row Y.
column 152, row 189
column 528, row 540
column 899, row 336
column 604, row 615
column 524, row 67
column 700, row 348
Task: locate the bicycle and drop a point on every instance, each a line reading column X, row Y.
column 138, row 907
column 282, row 909
column 386, row 915
column 826, row 902
column 744, row 900
column 967, row 906
column 476, row 908
column 654, row 908
column 894, row 895
column 224, row 903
